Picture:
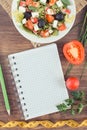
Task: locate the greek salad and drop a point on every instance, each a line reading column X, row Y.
column 44, row 17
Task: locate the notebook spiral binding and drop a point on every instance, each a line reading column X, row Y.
column 16, row 81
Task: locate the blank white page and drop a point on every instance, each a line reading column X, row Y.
column 41, row 87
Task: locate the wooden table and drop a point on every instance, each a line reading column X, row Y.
column 10, row 42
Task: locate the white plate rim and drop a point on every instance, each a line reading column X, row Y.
column 36, row 39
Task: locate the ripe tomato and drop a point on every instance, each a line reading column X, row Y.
column 66, row 11
column 44, row 33
column 49, row 18
column 35, row 4
column 29, row 25
column 72, row 83
column 22, row 3
column 74, row 52
column 52, row 2
column 62, row 27
column 28, row 2
column 34, row 20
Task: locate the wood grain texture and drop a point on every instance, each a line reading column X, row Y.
column 11, row 42
column 80, row 4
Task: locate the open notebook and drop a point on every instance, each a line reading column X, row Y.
column 39, row 80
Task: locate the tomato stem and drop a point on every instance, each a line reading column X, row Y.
column 70, row 66
column 85, row 65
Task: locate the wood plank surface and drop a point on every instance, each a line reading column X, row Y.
column 10, row 42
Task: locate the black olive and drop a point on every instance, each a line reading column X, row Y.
column 41, row 23
column 59, row 16
column 27, row 15
column 48, row 1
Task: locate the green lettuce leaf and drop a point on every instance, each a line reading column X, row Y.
column 66, row 2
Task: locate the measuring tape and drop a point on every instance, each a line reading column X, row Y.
column 46, row 124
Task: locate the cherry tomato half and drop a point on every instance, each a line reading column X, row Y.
column 72, row 83
column 62, row 27
column 34, row 20
column 29, row 25
column 49, row 18
column 22, row 3
column 66, row 11
column 35, row 4
column 44, row 33
column 52, row 2
column 28, row 2
column 74, row 52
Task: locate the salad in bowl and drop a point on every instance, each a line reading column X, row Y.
column 43, row 21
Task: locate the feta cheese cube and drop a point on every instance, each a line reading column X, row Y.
column 24, row 21
column 59, row 3
column 35, row 14
column 36, row 27
column 22, row 9
column 55, row 23
column 43, row 1
column 50, row 11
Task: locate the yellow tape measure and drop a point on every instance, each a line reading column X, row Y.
column 46, row 124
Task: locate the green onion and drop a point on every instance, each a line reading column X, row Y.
column 83, row 39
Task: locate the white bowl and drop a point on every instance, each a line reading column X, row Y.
column 34, row 38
